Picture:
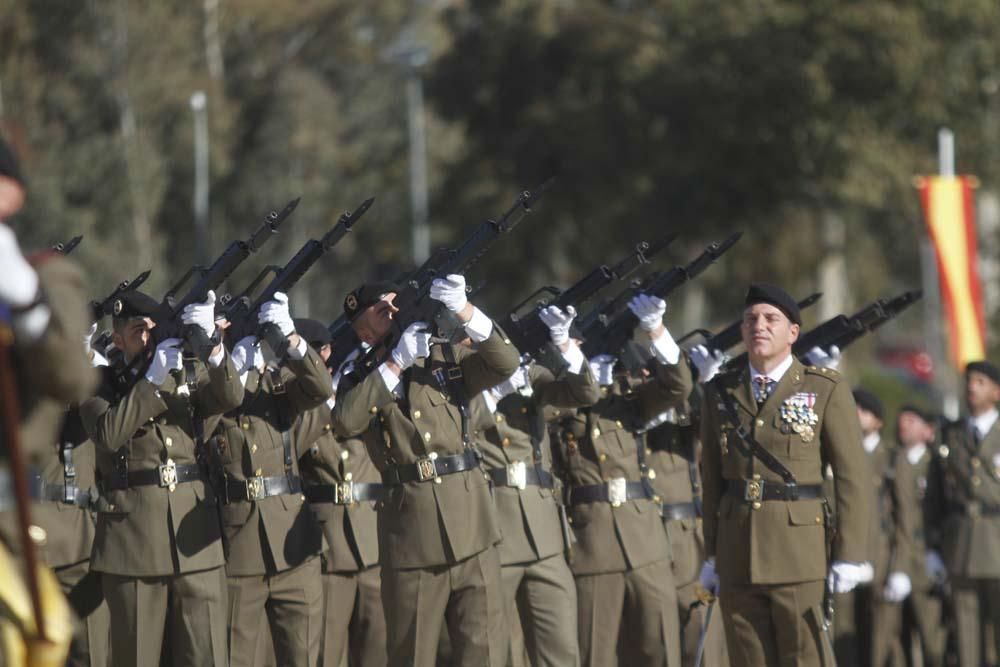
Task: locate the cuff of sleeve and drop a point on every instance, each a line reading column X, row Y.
column 491, row 401
column 390, row 379
column 665, row 349
column 574, row 358
column 479, row 327
column 298, row 352
column 216, row 359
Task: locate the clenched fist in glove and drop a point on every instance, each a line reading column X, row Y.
column 167, row 357
column 450, row 291
column 558, row 323
column 817, row 356
column 415, row 343
column 708, row 362
column 276, row 312
column 845, row 576
column 650, row 311
column 201, row 314
column 603, row 368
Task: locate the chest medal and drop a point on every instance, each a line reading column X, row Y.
column 797, row 412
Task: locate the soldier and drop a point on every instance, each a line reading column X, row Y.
column 438, row 528
column 343, row 486
column 42, row 305
column 766, row 431
column 923, row 610
column 158, row 546
column 272, row 538
column 963, row 521
column 625, row 590
column 538, row 584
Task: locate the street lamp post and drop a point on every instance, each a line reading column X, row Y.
column 200, row 199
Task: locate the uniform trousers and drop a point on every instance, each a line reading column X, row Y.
column 467, row 597
column 775, row 625
column 186, row 611
column 631, row 615
column 975, row 603
column 923, row 620
column 543, row 596
column 292, row 603
column 92, row 635
column 353, row 621
column 692, row 617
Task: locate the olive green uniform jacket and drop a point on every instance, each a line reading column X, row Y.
column 529, row 517
column 279, row 532
column 149, row 531
column 351, row 531
column 779, row 541
column 598, row 444
column 423, row 524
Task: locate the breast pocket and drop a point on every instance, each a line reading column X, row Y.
column 796, row 445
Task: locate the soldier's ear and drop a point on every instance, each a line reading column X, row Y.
column 794, row 329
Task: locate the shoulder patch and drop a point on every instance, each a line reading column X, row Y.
column 824, row 372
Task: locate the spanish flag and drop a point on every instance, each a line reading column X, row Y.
column 950, row 211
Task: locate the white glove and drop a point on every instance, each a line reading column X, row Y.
column 649, row 309
column 20, row 282
column 708, row 578
column 166, row 358
column 247, row 355
column 845, row 576
column 87, row 337
column 558, row 322
column 603, row 368
column 276, row 312
column 897, row 587
column 201, row 314
column 510, row 385
column 817, row 356
column 935, row 566
column 415, row 343
column 450, row 291
column 708, row 362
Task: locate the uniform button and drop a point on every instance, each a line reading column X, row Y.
column 618, row 423
column 373, row 409
column 111, row 507
column 505, row 442
column 975, row 481
column 651, row 474
column 556, row 412
column 427, row 437
column 168, row 441
column 756, row 476
column 348, row 476
column 524, row 410
column 326, row 427
column 569, row 519
column 302, row 496
column 656, row 499
column 603, row 457
column 649, row 451
column 760, row 422
column 37, row 534
column 819, row 519
column 258, row 472
column 499, row 419
column 253, row 449
column 344, row 455
column 437, row 480
column 756, row 505
column 416, row 414
column 975, row 463
column 596, row 433
column 245, row 425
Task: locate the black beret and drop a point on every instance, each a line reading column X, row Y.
column 869, row 401
column 359, row 299
column 777, row 297
column 9, row 167
column 986, row 368
column 312, row 331
column 134, row 303
column 925, row 415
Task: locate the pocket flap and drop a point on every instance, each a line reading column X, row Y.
column 805, row 513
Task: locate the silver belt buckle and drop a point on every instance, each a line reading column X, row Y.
column 617, row 491
column 168, row 475
column 255, row 488
column 343, row 493
column 426, row 468
column 753, row 490
column 517, row 475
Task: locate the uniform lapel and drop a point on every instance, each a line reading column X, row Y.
column 743, row 393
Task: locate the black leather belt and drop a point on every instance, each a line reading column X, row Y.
column 615, row 491
column 975, row 509
column 253, row 489
column 519, row 475
column 38, row 489
column 756, row 490
column 430, row 467
column 675, row 511
column 165, row 476
column 344, row 493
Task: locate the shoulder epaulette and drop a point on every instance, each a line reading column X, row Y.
column 822, row 371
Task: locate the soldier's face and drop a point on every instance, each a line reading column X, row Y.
column 981, row 393
column 869, row 422
column 911, row 429
column 134, row 337
column 767, row 332
column 374, row 324
column 325, row 351
column 11, row 197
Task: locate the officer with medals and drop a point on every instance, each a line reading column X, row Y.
column 963, row 524
column 272, row 539
column 621, row 559
column 158, row 546
column 767, row 431
column 538, row 584
column 343, row 487
column 438, row 528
